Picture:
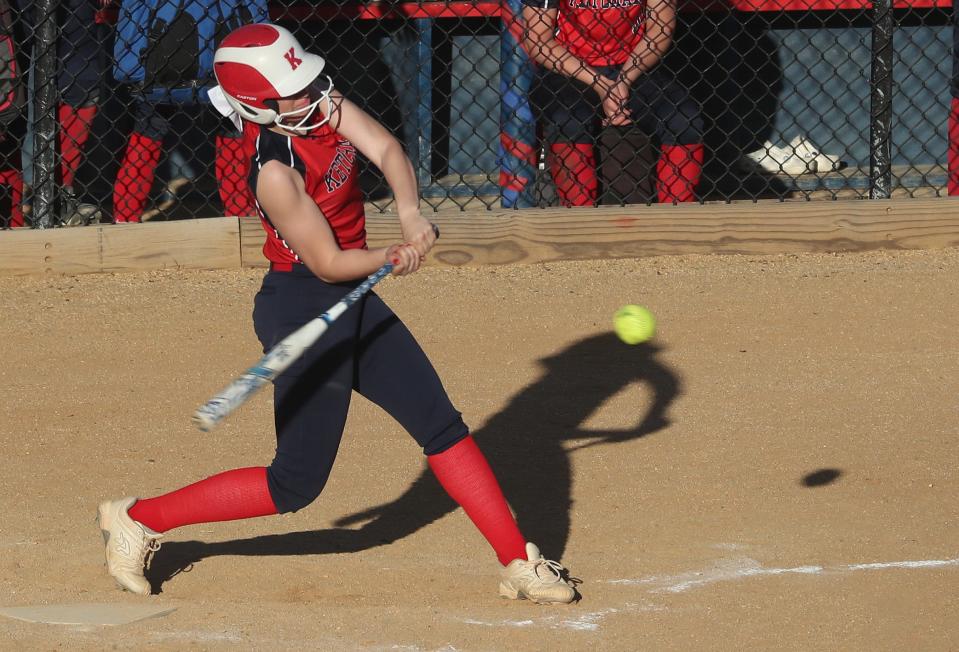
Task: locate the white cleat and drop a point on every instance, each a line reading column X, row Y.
column 541, row 580
column 800, row 156
column 127, row 544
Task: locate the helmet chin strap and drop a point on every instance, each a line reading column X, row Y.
column 304, row 125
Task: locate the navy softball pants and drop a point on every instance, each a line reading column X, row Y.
column 369, row 350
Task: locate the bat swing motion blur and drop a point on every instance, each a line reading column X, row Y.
column 281, row 356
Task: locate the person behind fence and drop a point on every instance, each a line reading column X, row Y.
column 598, row 62
column 81, row 75
column 177, row 171
column 307, row 138
column 164, row 51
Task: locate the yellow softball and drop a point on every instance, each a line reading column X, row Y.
column 634, row 324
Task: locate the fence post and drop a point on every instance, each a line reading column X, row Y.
column 880, row 101
column 423, row 91
column 517, row 152
column 45, row 122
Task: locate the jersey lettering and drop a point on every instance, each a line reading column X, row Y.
column 603, row 4
column 341, row 166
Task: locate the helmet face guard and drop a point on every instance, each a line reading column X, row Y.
column 257, row 65
column 321, row 90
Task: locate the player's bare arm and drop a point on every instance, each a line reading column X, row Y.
column 545, row 50
column 657, row 39
column 282, row 195
column 378, row 145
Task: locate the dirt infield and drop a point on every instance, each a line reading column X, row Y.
column 777, row 471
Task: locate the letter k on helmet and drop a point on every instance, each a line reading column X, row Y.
column 292, row 59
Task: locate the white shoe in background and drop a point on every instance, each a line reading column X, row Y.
column 800, row 156
column 808, row 150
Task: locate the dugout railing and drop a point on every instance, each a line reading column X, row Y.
column 799, row 99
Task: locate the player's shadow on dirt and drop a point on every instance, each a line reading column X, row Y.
column 529, row 445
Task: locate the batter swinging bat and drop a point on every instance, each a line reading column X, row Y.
column 281, row 356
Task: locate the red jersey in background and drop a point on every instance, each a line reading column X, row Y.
column 598, row 32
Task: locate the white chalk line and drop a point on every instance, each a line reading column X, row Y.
column 501, row 623
column 724, row 570
column 742, row 567
column 584, row 622
column 921, row 563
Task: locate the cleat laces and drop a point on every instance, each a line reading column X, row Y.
column 556, row 569
column 148, row 552
column 557, row 573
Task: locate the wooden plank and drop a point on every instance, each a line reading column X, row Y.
column 192, row 244
column 209, row 243
column 252, row 238
column 51, row 251
column 500, row 237
column 527, row 236
column 535, row 235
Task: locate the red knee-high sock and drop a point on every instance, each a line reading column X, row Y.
column 952, row 183
column 232, row 167
column 74, row 130
column 573, row 166
column 468, row 479
column 678, row 171
column 227, row 496
column 135, row 178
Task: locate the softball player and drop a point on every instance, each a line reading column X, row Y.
column 598, row 58
column 306, row 137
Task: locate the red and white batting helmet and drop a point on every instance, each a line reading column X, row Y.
column 256, row 65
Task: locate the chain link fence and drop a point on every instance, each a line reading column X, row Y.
column 499, row 104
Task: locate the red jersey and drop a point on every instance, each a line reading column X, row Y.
column 598, row 32
column 327, row 163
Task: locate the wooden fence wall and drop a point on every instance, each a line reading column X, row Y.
column 503, row 237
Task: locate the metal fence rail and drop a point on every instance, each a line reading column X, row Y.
column 741, row 100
